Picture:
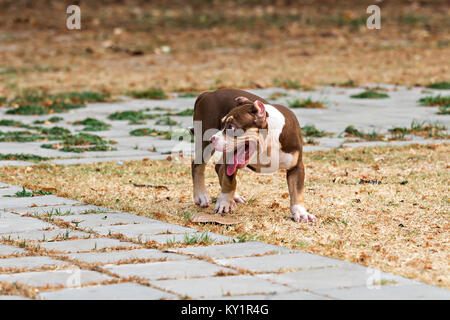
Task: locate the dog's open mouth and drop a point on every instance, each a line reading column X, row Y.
column 240, row 157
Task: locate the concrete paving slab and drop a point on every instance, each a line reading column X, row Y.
column 124, row 255
column 418, row 291
column 68, row 278
column 13, row 298
column 140, row 231
column 291, row 295
column 216, row 287
column 89, row 221
column 281, row 262
column 120, row 291
column 15, row 163
column 11, row 203
column 30, row 263
column 4, row 214
column 22, row 224
column 46, row 235
column 169, row 269
column 58, row 211
column 6, row 250
column 81, row 245
column 233, row 250
column 347, row 275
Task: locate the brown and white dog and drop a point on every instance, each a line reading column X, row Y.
column 251, row 133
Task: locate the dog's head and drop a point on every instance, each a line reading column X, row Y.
column 240, row 133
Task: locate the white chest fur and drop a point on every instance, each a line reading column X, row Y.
column 275, row 158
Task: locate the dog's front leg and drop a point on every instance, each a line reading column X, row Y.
column 225, row 201
column 295, row 180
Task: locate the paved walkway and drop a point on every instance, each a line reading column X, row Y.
column 57, row 248
column 399, row 110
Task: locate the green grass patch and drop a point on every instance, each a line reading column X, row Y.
column 12, row 123
column 191, row 239
column 54, row 119
column 351, row 131
column 435, row 100
column 166, row 121
column 92, row 124
column 134, row 117
column 37, row 102
column 444, row 110
column 22, row 157
column 184, row 113
column 25, row 194
column 434, row 130
column 151, row 132
column 152, row 93
column 312, row 131
column 306, row 103
column 55, row 107
column 369, row 94
column 443, row 85
column 81, row 142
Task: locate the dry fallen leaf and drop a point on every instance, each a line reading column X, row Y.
column 214, row 218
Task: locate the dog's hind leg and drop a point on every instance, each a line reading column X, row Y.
column 295, row 180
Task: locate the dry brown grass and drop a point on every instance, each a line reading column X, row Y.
column 400, row 225
column 120, row 46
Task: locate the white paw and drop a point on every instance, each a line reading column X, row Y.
column 299, row 214
column 239, row 199
column 202, row 199
column 225, row 203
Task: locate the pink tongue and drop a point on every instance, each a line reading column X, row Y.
column 238, row 160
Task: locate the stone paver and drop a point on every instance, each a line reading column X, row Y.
column 120, row 291
column 30, row 263
column 289, row 295
column 233, row 250
column 11, row 203
column 417, row 291
column 142, row 230
column 81, row 245
column 305, row 276
column 220, row 286
column 45, row 235
column 347, row 275
column 89, row 221
column 13, row 298
column 59, row 211
column 21, row 224
column 124, row 255
column 68, row 278
column 170, row 269
column 6, row 250
column 281, row 262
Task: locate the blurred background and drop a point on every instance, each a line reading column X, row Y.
column 205, row 44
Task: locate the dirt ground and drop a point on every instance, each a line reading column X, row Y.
column 198, row 45
column 397, row 222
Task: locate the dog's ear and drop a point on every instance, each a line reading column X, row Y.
column 242, row 100
column 259, row 110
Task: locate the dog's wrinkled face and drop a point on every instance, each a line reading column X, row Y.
column 241, row 133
